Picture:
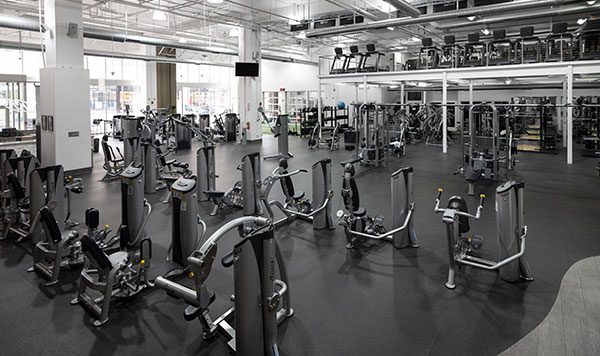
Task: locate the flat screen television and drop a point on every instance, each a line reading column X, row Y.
column 246, row 69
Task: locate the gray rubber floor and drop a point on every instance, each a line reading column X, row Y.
column 371, row 301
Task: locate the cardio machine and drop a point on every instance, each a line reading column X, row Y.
column 500, row 49
column 475, row 51
column 359, row 225
column 451, row 53
column 511, row 232
column 429, row 55
column 297, row 205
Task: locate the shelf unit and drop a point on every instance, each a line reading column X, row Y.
column 565, row 72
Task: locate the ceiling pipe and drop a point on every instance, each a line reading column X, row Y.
column 20, row 23
column 354, row 8
column 404, row 7
column 561, row 11
column 24, row 24
column 474, row 11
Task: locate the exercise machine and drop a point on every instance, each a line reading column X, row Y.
column 206, row 171
column 429, row 55
column 511, row 232
column 489, row 147
column 331, row 141
column 113, row 164
column 280, row 132
column 559, row 44
column 358, row 225
column 339, row 63
column 370, row 61
column 261, row 298
column 451, row 54
column 589, row 40
column 297, row 205
column 132, row 139
column 528, row 48
column 475, row 51
column 244, row 191
column 15, row 213
column 354, row 63
column 122, row 273
column 60, row 249
column 500, row 49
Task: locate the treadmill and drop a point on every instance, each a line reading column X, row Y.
column 475, row 51
column 339, row 62
column 528, row 48
column 429, row 55
column 559, row 44
column 451, row 54
column 500, row 49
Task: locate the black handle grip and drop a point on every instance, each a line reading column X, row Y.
column 228, row 260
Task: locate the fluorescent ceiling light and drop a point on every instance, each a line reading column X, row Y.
column 471, row 18
column 234, row 32
column 182, row 40
column 214, row 1
column 485, row 31
column 158, row 15
column 581, row 21
column 391, row 28
column 422, row 84
column 591, row 2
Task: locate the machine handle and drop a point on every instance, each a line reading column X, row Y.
column 440, row 190
column 228, row 260
column 481, row 199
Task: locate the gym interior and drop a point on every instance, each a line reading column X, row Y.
column 309, row 177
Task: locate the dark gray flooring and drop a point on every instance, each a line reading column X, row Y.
column 372, row 301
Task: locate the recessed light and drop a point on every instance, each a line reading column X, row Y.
column 471, row 18
column 485, row 31
column 591, row 2
column 391, row 28
column 581, row 21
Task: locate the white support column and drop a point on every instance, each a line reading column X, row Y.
column 249, row 88
column 65, row 89
column 564, row 114
column 402, row 98
column 570, row 115
column 366, row 93
column 151, row 89
column 319, row 103
column 444, row 112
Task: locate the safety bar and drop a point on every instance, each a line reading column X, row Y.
column 260, row 221
column 496, row 265
column 391, row 232
column 276, row 175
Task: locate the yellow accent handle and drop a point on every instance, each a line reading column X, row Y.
column 191, row 275
column 482, row 195
column 142, row 262
column 440, row 190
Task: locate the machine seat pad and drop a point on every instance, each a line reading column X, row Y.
column 352, row 161
column 299, row 195
column 360, row 212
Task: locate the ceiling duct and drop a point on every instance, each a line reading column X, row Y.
column 559, row 11
column 404, row 7
column 424, row 19
column 354, row 8
column 19, row 23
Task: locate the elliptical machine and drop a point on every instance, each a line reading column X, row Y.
column 296, row 205
column 359, row 225
column 511, row 233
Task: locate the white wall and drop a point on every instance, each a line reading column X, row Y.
column 291, row 76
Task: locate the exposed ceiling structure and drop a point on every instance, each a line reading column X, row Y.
column 112, row 26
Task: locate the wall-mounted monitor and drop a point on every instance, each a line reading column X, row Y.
column 246, row 69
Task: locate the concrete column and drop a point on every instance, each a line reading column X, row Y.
column 249, row 88
column 166, row 80
column 444, row 112
column 563, row 115
column 65, row 90
column 151, row 92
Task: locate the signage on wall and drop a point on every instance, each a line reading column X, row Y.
column 48, row 122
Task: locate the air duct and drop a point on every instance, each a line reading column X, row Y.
column 19, row 23
column 404, row 7
column 560, row 11
column 354, row 8
column 403, row 21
